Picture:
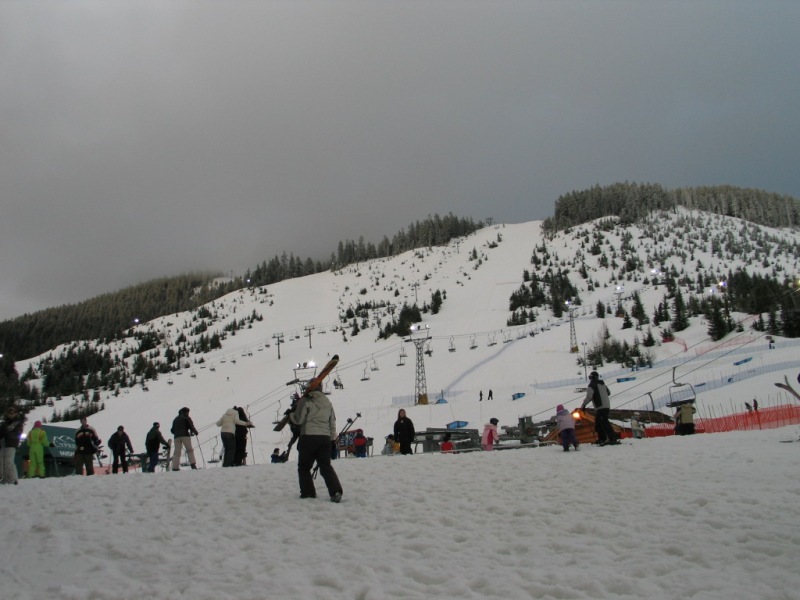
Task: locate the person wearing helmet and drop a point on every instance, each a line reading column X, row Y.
column 598, row 394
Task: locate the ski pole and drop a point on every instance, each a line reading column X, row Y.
column 200, row 447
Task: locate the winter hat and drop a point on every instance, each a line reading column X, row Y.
column 493, row 421
column 594, row 375
column 184, row 410
column 37, row 424
column 559, row 408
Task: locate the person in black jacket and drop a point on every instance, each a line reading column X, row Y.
column 183, row 429
column 10, row 431
column 152, row 443
column 404, row 432
column 240, row 450
column 119, row 443
column 87, row 444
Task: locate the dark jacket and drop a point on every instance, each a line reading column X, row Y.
column 10, row 430
column 153, row 440
column 86, row 440
column 183, row 426
column 119, row 441
column 404, row 430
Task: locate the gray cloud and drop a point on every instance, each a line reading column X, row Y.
column 143, row 139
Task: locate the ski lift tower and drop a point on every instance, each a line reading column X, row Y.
column 418, row 339
column 618, row 292
column 573, row 338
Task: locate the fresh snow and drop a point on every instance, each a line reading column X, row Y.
column 707, row 516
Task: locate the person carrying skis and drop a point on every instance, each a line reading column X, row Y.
column 152, row 443
column 566, row 428
column 119, row 442
column 490, row 436
column 598, row 394
column 36, row 441
column 404, row 432
column 10, row 432
column 315, row 417
column 227, row 424
column 183, row 430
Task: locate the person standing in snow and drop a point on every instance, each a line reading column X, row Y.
column 152, row 443
column 598, row 394
column 404, row 432
column 637, row 429
column 490, row 396
column 86, row 445
column 119, row 443
column 315, row 417
column 183, row 430
column 684, row 419
column 490, row 436
column 227, row 424
column 240, row 454
column 565, row 423
column 447, row 445
column 36, row 441
column 10, row 433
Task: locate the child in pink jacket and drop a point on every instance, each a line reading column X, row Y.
column 490, row 435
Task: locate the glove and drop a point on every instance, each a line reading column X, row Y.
column 52, row 445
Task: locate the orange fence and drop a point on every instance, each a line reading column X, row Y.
column 765, row 418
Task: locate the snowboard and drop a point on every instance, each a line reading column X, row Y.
column 313, row 384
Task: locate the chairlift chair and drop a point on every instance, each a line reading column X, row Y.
column 472, row 343
column 680, row 393
column 452, row 347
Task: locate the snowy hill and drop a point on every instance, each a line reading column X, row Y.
column 470, row 347
column 707, row 516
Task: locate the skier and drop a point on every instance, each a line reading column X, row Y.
column 490, row 396
column 598, row 394
column 490, row 436
column 566, row 428
column 404, row 432
column 10, row 432
column 36, row 441
column 118, row 443
column 152, row 442
column 227, row 424
column 315, row 417
column 183, row 430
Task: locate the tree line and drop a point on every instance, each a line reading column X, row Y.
column 632, row 202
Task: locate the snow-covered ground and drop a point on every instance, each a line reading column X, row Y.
column 706, row 517
column 709, row 516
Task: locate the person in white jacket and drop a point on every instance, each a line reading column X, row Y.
column 227, row 424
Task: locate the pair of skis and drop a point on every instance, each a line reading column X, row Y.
column 313, row 384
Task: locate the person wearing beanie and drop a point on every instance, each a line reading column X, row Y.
column 183, row 430
column 637, row 428
column 565, row 424
column 36, row 441
column 490, row 436
column 87, row 445
column 152, row 443
column 598, row 394
column 119, row 443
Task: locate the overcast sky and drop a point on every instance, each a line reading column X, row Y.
column 145, row 139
